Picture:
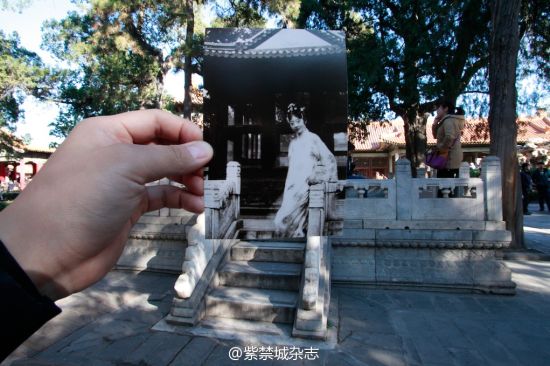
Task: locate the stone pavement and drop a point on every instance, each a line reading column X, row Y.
column 110, row 324
column 537, row 229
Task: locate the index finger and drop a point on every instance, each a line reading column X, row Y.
column 144, row 126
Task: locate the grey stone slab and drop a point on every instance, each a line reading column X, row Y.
column 373, row 355
column 410, row 353
column 420, row 301
column 402, row 234
column 195, row 352
column 357, row 234
column 453, row 235
column 64, row 360
column 495, row 225
column 427, row 344
column 500, row 236
column 159, row 349
column 379, row 340
column 481, row 336
column 339, row 358
column 120, row 348
column 353, row 224
column 466, row 357
column 353, row 263
column 220, row 357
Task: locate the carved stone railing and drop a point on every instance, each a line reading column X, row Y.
column 312, row 312
column 425, row 232
column 407, row 198
column 198, row 253
column 207, row 243
column 202, row 258
column 222, row 203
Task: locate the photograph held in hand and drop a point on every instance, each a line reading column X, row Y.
column 275, row 111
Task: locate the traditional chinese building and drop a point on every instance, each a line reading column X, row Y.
column 21, row 167
column 385, row 142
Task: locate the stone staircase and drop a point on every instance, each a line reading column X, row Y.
column 256, row 286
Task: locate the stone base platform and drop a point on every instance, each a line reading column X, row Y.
column 460, row 260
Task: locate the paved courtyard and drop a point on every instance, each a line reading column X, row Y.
column 110, row 324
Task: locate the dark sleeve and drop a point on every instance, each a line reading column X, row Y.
column 536, row 177
column 23, row 310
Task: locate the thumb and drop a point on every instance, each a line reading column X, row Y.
column 153, row 162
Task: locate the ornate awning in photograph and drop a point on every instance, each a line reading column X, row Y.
column 262, row 43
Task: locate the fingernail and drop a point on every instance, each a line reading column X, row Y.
column 199, row 149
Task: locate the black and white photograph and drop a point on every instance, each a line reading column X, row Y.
column 275, row 102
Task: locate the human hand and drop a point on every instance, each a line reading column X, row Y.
column 68, row 227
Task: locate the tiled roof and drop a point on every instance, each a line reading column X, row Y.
column 39, row 149
column 381, row 135
column 250, row 43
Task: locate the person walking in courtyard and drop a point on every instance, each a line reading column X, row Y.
column 447, row 128
column 526, row 183
column 540, row 178
column 309, row 162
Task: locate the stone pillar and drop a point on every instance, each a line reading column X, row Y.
column 403, row 184
column 22, row 169
column 421, row 171
column 212, row 205
column 233, row 174
column 492, row 179
column 165, row 211
column 464, row 170
column 316, row 208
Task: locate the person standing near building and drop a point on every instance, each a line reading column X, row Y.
column 526, row 182
column 540, row 178
column 447, row 128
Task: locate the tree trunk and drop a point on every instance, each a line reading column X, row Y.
column 502, row 115
column 187, row 68
column 415, row 138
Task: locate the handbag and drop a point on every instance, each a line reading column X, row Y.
column 436, row 160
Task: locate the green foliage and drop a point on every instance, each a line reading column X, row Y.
column 255, row 13
column 535, row 28
column 119, row 53
column 405, row 54
column 21, row 73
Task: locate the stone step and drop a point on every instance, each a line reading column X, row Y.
column 264, row 275
column 252, row 304
column 258, row 225
column 268, row 251
column 246, row 327
column 257, row 228
column 255, row 235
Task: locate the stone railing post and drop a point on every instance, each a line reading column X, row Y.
column 316, row 208
column 233, row 174
column 403, row 184
column 492, row 179
column 464, row 170
column 198, row 253
column 311, row 273
column 421, row 171
column 212, row 206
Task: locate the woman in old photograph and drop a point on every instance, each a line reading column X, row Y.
column 309, row 162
